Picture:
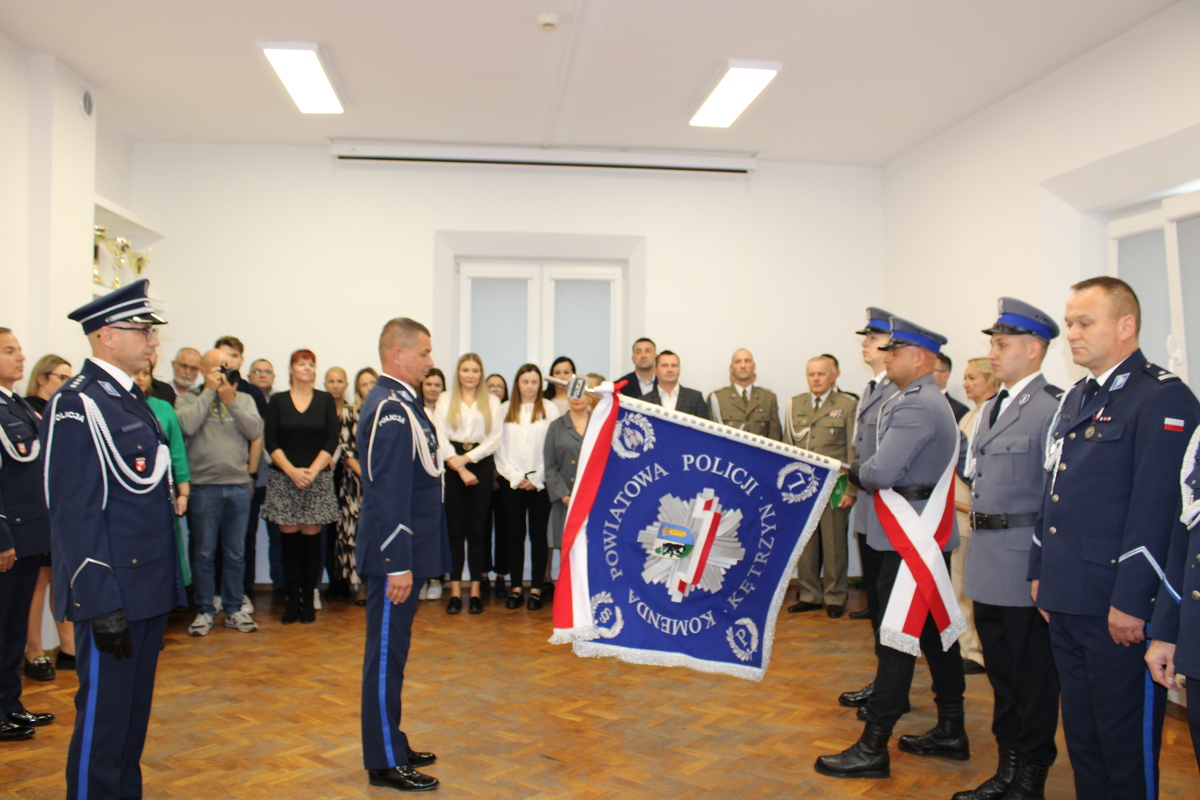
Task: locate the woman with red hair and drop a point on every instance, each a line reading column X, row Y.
column 301, row 434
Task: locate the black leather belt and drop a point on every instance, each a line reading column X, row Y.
column 914, row 492
column 462, row 448
column 999, row 522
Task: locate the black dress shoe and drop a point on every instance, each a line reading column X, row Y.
column 866, row 758
column 972, row 667
column 857, row 699
column 30, row 720
column 861, row 714
column 40, row 669
column 863, row 614
column 803, row 605
column 534, row 602
column 513, row 601
column 64, row 661
column 499, row 590
column 404, row 779
column 547, row 590
column 416, row 759
column 485, row 584
column 835, row 611
column 474, row 606
column 947, row 739
column 12, row 732
column 454, row 605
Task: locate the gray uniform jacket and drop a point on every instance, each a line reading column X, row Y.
column 1010, row 478
column 561, row 452
column 864, row 446
column 917, row 435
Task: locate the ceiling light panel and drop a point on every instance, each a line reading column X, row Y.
column 299, row 66
column 742, row 83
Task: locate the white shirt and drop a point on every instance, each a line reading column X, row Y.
column 521, row 453
column 669, row 399
column 119, row 375
column 470, row 428
column 1015, row 391
column 645, row 386
column 7, row 392
column 1103, row 378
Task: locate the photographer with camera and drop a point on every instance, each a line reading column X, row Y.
column 220, row 424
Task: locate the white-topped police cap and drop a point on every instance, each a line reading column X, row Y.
column 910, row 334
column 878, row 321
column 128, row 304
column 1017, row 316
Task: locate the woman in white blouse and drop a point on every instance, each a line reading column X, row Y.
column 468, row 424
column 522, row 495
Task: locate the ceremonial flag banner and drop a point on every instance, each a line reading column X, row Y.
column 681, row 537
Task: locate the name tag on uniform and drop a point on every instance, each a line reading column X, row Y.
column 132, row 426
column 108, row 387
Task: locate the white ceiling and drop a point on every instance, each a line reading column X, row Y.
column 862, row 81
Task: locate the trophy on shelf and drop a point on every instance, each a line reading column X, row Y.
column 114, row 261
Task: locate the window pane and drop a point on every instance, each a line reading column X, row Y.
column 1142, row 263
column 499, row 325
column 1189, row 273
column 582, row 320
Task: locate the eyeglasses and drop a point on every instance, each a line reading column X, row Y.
column 262, row 372
column 145, row 332
column 58, row 375
column 185, row 367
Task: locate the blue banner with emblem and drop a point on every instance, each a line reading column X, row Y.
column 681, row 538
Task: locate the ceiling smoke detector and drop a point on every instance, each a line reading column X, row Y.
column 548, row 22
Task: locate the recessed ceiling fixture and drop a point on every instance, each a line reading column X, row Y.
column 741, row 84
column 299, row 66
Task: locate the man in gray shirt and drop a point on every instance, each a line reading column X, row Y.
column 219, row 424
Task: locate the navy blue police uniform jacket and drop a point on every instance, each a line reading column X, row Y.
column 114, row 543
column 402, row 524
column 1177, row 610
column 24, row 523
column 1105, row 522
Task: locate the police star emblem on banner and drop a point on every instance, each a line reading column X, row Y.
column 691, row 545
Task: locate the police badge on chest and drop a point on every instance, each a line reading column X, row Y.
column 139, row 463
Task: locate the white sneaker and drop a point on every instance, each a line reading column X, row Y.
column 424, row 593
column 247, row 605
column 434, row 592
column 217, row 604
column 201, row 625
column 317, row 599
column 241, row 621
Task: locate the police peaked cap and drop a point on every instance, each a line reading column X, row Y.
column 905, row 334
column 1017, row 316
column 128, row 304
column 878, row 321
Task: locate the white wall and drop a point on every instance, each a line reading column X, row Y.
column 966, row 216
column 14, row 184
column 282, row 248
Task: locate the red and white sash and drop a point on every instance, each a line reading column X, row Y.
column 922, row 586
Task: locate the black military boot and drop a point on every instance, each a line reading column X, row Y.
column 857, row 699
column 866, row 758
column 947, row 739
column 1030, row 783
column 995, row 787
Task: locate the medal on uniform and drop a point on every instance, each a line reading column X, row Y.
column 1024, row 399
column 21, row 448
column 139, row 463
column 1089, row 432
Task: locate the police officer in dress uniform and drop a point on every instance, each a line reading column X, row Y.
column 879, row 389
column 1095, row 567
column 822, row 420
column 1005, row 469
column 744, row 404
column 24, row 537
column 116, row 566
column 402, row 539
column 1175, row 626
column 917, row 439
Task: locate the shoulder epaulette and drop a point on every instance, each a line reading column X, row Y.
column 77, row 383
column 913, row 389
column 1053, row 391
column 852, row 394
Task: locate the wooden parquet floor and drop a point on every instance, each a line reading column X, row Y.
column 275, row 715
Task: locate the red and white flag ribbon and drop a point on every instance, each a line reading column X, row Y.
column 922, row 586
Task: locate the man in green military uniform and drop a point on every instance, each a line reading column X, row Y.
column 822, row 420
column 742, row 404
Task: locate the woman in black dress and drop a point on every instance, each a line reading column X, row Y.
column 301, row 433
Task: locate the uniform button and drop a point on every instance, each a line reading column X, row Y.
column 1195, row 594
column 1112, row 561
column 1152, row 599
column 387, row 561
column 18, row 519
column 135, row 561
column 572, row 461
column 139, row 447
column 1071, row 435
column 1062, row 467
column 1053, row 529
column 1198, row 556
column 1053, row 498
column 79, row 606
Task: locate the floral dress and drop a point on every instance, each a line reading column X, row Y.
column 349, row 495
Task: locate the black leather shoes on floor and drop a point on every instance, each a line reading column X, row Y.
column 499, row 590
column 866, row 758
column 862, row 614
column 803, row 605
column 416, row 759
column 404, row 779
column 12, row 732
column 534, row 602
column 514, row 601
column 998, row 785
column 857, row 699
column 475, row 605
column 40, row 669
column 29, row 720
column 835, row 611
column 947, row 739
column 64, row 661
column 861, row 714
column 454, row 605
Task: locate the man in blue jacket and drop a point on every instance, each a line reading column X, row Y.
column 1096, row 565
column 402, row 538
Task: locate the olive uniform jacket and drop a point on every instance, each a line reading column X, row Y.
column 759, row 414
column 828, row 431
